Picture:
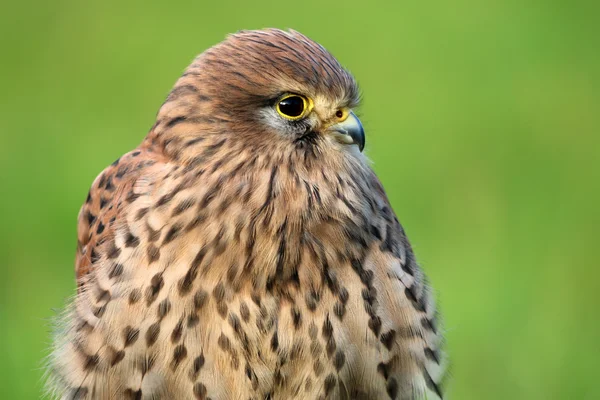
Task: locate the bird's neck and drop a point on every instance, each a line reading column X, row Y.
column 272, row 215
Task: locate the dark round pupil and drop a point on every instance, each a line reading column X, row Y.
column 292, row 106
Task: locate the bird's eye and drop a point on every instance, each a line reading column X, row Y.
column 293, row 106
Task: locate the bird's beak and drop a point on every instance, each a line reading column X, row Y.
column 349, row 131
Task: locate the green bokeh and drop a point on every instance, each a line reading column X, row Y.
column 482, row 119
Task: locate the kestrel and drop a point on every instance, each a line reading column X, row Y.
column 246, row 250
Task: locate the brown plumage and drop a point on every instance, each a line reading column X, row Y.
column 239, row 253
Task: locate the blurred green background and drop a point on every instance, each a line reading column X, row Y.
column 482, row 118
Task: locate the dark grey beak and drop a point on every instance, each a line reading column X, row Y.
column 350, row 131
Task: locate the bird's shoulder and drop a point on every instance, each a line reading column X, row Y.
column 109, row 200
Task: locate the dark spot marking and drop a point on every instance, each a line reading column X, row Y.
column 152, row 334
column 366, row 277
column 133, row 395
column 141, row 213
column 185, row 284
column 153, row 235
column 429, row 324
column 177, row 331
column 181, row 207
column 343, row 295
column 122, row 171
column 317, row 367
column 312, row 331
column 193, row 320
column 296, row 317
column 244, row 312
column 99, row 312
column 109, row 184
column 432, row 355
column 103, row 296
column 231, row 272
column 135, row 296
column 194, row 141
column 222, row 309
column 417, row 304
column 130, row 335
column 195, row 222
column 388, row 244
column 94, row 257
column 79, row 393
column 153, row 253
column 91, row 218
column 131, row 241
column 156, row 284
column 392, row 388
column 172, row 234
column 329, row 384
column 132, row 196
column 274, row 342
column 219, row 292
column 175, row 121
column 200, row 299
column 315, row 349
column 382, row 368
column 431, row 384
column 163, row 308
column 102, row 180
column 113, row 251
column 327, row 330
column 91, row 362
column 339, row 360
column 375, row 232
column 209, row 197
column 408, row 266
column 165, row 199
column 117, row 357
column 146, row 364
column 179, row 354
column 330, row 347
column 375, row 324
column 198, row 363
column 115, row 271
column 224, row 342
column 200, row 391
column 387, row 338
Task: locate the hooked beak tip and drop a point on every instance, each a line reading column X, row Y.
column 350, row 131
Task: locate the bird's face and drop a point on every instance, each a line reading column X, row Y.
column 271, row 91
column 292, row 88
column 303, row 120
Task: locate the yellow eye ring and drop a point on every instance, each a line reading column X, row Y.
column 341, row 114
column 293, row 106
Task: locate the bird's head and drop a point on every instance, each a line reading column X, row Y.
column 268, row 90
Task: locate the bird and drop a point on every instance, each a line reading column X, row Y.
column 246, row 249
